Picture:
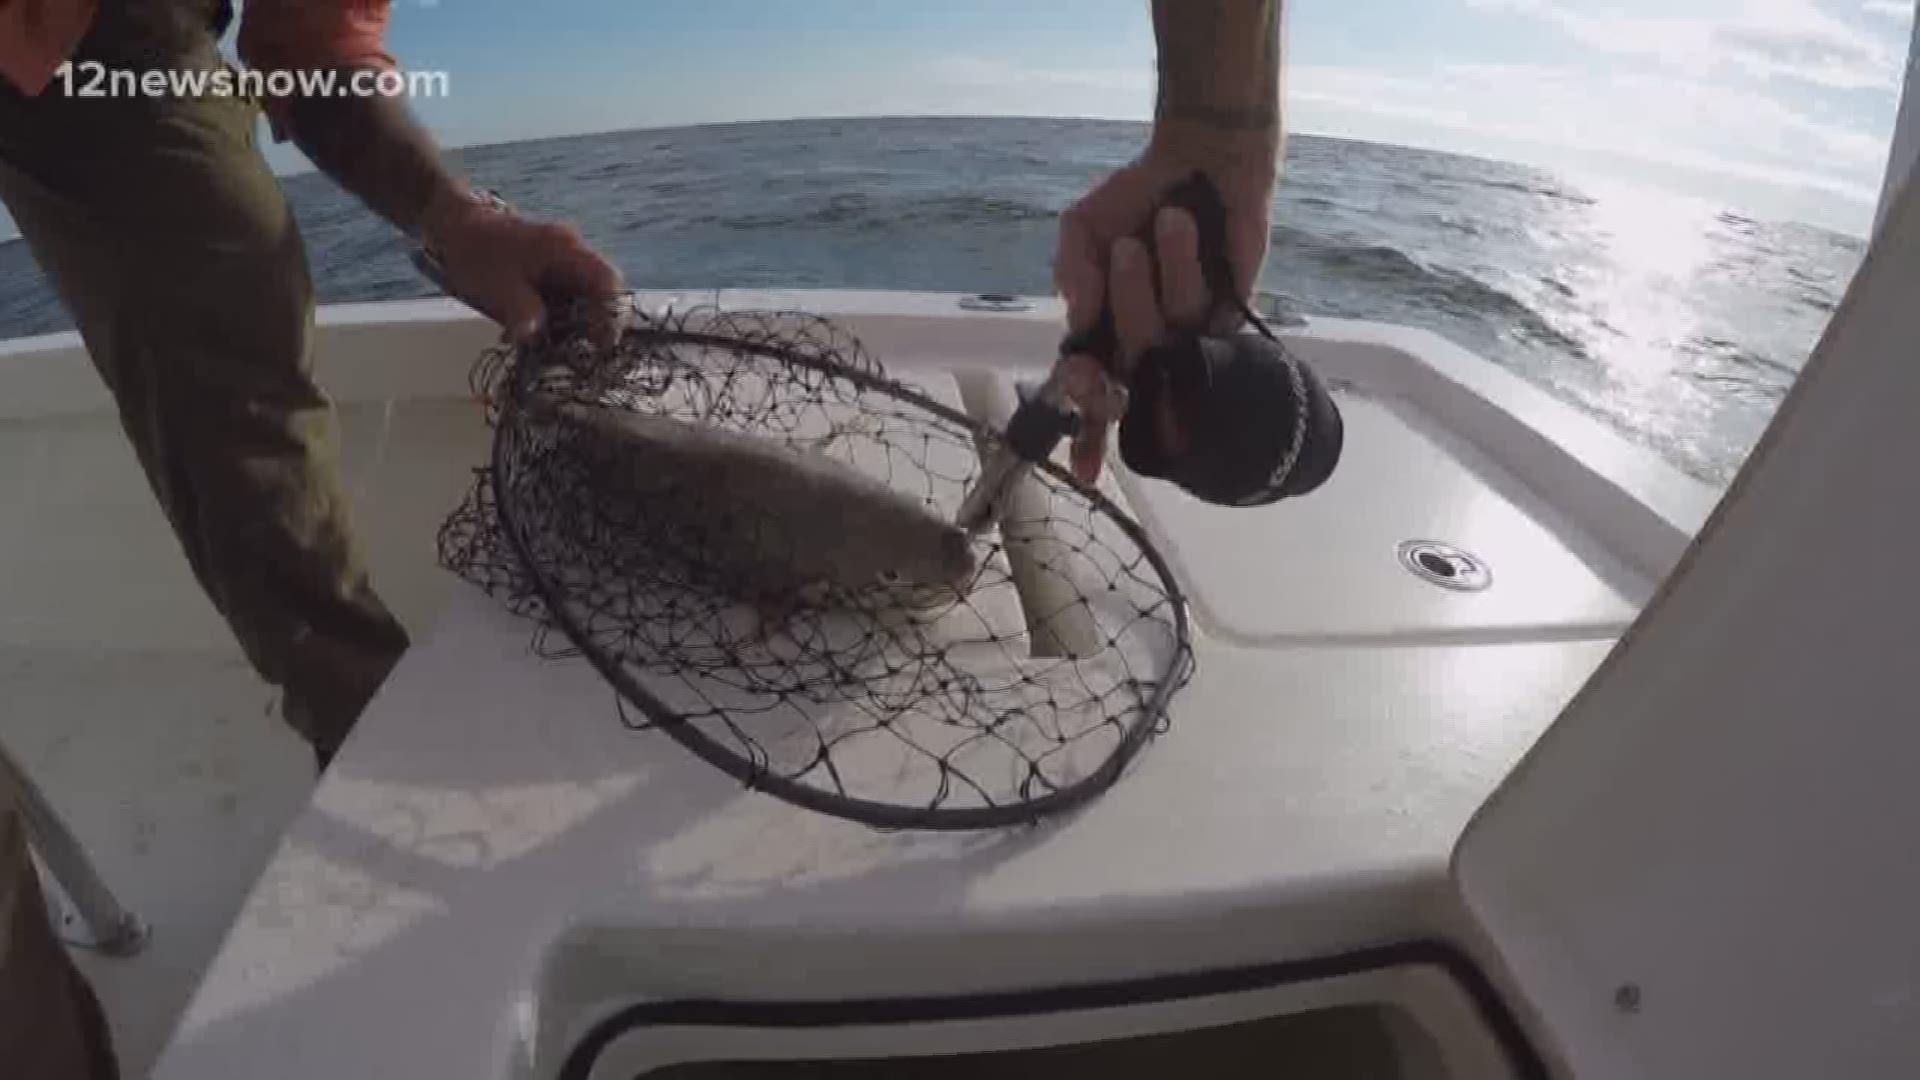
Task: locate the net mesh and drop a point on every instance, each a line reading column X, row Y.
column 1026, row 692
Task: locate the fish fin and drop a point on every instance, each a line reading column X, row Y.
column 771, row 615
column 775, row 611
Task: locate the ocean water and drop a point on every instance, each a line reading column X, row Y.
column 1678, row 322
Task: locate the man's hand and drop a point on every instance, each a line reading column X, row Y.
column 1101, row 261
column 509, row 268
column 1217, row 111
column 505, row 266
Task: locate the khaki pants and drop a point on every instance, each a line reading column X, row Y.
column 160, row 226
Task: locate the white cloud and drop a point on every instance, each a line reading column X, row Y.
column 1797, row 40
column 1776, row 39
column 1708, row 135
column 1892, row 9
column 974, row 72
column 971, row 85
column 1655, row 119
column 1676, row 41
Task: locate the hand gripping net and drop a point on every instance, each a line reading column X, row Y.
column 1028, row 695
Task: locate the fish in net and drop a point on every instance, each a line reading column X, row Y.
column 743, row 521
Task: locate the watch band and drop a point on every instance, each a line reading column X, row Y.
column 427, row 260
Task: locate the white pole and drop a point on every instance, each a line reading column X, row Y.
column 1906, row 131
column 102, row 923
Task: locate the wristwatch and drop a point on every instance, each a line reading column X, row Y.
column 428, row 261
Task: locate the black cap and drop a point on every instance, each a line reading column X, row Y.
column 1252, row 423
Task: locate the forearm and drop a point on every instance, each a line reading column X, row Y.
column 1219, row 72
column 374, row 148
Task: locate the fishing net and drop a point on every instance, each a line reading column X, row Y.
column 1027, row 692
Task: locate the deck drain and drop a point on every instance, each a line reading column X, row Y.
column 1445, row 565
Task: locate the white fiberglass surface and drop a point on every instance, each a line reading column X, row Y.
column 1328, row 565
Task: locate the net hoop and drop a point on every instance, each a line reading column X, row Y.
column 508, row 413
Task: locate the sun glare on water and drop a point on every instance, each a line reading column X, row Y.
column 1635, row 262
column 1658, row 244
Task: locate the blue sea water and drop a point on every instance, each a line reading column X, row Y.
column 1679, row 322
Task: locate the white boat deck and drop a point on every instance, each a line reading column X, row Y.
column 127, row 699
column 1347, row 720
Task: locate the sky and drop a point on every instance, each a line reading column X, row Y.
column 1782, row 107
column 1778, row 107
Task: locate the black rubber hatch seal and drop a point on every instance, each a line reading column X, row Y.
column 1525, row 1061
